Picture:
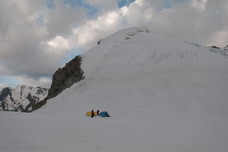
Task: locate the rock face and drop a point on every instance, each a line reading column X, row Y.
column 223, row 51
column 226, row 49
column 64, row 78
column 21, row 98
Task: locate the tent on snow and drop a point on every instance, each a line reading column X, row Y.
column 90, row 113
column 104, row 114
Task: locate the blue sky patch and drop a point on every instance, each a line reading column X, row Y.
column 74, row 3
column 8, row 80
column 50, row 4
column 81, row 3
column 170, row 3
column 122, row 3
column 73, row 53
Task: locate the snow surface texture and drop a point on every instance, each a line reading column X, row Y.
column 162, row 95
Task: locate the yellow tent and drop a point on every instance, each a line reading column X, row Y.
column 89, row 113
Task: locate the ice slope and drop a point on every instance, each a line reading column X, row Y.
column 163, row 95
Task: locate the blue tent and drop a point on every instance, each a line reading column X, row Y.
column 104, row 114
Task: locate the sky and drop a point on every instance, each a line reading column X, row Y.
column 37, row 37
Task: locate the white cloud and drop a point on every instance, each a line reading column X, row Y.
column 62, row 18
column 200, row 21
column 85, row 36
column 199, row 5
column 58, row 43
column 219, row 38
column 30, row 38
column 37, row 82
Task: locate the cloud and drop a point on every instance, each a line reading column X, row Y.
column 87, row 35
column 38, row 82
column 20, row 36
column 62, row 18
column 31, row 45
column 219, row 37
column 199, row 5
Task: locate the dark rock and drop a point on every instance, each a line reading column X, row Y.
column 63, row 78
column 215, row 47
column 4, row 93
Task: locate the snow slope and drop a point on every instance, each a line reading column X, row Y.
column 163, row 95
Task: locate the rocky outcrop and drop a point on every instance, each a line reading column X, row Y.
column 3, row 95
column 64, row 78
column 223, row 51
column 226, row 48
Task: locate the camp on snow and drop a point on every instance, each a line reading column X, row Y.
column 102, row 114
column 89, row 113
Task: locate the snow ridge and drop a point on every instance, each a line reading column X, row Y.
column 222, row 51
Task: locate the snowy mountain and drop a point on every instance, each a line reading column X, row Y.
column 223, row 51
column 163, row 95
column 21, row 98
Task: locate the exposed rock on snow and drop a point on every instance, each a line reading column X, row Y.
column 64, row 78
column 223, row 51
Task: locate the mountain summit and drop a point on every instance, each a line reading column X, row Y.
column 135, row 67
column 21, row 98
column 163, row 95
